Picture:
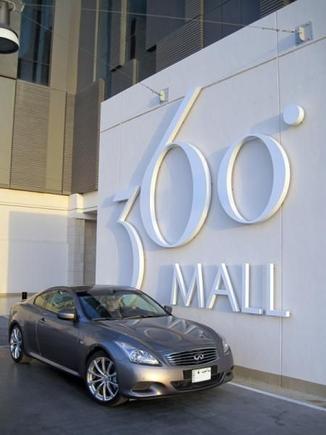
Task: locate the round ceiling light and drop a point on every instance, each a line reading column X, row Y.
column 9, row 42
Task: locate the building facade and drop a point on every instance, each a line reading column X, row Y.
column 73, row 55
column 213, row 202
column 176, row 146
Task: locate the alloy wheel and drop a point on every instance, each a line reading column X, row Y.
column 101, row 379
column 16, row 343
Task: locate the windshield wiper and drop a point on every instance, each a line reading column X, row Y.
column 103, row 318
column 144, row 316
column 139, row 316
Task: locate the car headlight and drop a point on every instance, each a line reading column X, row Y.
column 138, row 356
column 226, row 347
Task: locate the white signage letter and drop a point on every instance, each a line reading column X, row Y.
column 281, row 179
column 245, row 295
column 271, row 296
column 223, row 276
column 178, row 283
column 201, row 181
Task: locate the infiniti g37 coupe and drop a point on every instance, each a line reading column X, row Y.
column 120, row 341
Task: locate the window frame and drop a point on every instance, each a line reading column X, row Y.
column 51, row 294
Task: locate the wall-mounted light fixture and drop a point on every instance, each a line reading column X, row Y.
column 303, row 33
column 293, row 115
column 9, row 42
column 164, row 95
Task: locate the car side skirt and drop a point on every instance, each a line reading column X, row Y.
column 53, row 364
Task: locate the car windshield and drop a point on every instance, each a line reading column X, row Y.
column 118, row 304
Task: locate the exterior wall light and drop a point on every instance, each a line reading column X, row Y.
column 293, row 114
column 9, row 42
column 164, row 95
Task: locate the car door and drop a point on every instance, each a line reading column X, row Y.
column 58, row 339
column 32, row 314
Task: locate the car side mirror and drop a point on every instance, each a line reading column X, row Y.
column 67, row 314
column 168, row 309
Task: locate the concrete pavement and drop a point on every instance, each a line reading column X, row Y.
column 37, row 399
column 3, row 330
column 6, row 302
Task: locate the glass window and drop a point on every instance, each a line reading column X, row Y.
column 60, row 300
column 35, row 41
column 119, row 304
column 42, row 299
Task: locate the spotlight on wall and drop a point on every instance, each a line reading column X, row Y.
column 164, row 95
column 9, row 42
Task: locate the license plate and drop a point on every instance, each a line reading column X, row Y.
column 200, row 375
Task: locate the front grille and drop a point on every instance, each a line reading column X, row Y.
column 192, row 357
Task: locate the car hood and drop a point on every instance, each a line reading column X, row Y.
column 163, row 334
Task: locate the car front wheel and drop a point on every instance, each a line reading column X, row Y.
column 16, row 345
column 102, row 380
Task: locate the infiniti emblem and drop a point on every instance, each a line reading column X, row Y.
column 199, row 357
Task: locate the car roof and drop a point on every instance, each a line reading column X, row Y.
column 88, row 288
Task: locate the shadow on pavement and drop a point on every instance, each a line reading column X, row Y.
column 37, row 399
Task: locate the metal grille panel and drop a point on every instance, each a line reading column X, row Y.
column 182, row 43
column 68, row 144
column 193, row 8
column 192, row 357
column 158, row 28
column 86, row 137
column 30, row 137
column 269, row 6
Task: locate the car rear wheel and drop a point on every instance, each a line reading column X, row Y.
column 16, row 345
column 102, row 380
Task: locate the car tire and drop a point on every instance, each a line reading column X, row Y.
column 16, row 345
column 101, row 380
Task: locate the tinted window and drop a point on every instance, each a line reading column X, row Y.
column 60, row 300
column 42, row 299
column 118, row 304
column 35, row 41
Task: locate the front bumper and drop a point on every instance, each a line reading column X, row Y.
column 140, row 381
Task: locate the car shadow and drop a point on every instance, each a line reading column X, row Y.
column 75, row 386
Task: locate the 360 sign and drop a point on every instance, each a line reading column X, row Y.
column 201, row 188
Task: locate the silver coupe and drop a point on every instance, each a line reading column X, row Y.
column 120, row 341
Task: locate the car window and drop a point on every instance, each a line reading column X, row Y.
column 134, row 302
column 60, row 300
column 42, row 299
column 93, row 307
column 118, row 304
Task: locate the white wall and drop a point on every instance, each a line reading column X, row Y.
column 33, row 241
column 247, row 78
